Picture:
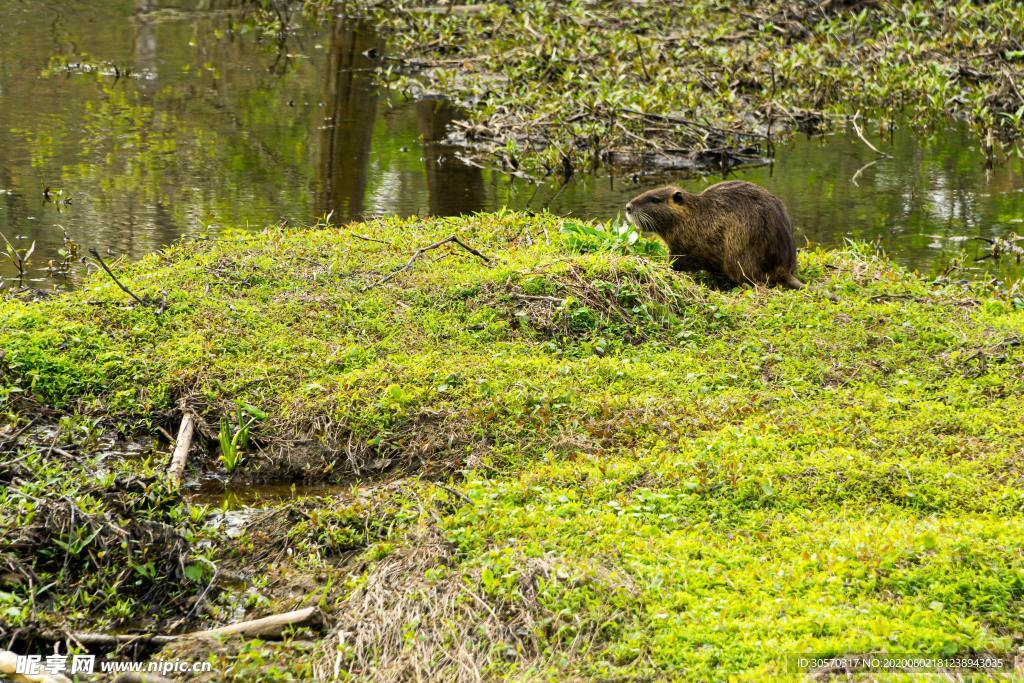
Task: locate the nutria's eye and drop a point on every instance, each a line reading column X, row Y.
column 678, row 197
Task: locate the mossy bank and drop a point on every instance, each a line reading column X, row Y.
column 594, row 466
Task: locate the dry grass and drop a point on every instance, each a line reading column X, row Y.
column 413, row 619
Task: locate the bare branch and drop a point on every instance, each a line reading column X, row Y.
column 863, row 139
column 422, row 250
column 96, row 255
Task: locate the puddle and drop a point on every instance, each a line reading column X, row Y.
column 240, row 497
column 233, row 507
column 153, row 119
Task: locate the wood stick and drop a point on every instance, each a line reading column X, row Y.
column 643, row 62
column 103, row 264
column 13, row 438
column 1013, row 84
column 419, row 252
column 181, row 447
column 371, row 239
column 693, row 124
column 106, row 640
column 267, row 627
column 863, row 139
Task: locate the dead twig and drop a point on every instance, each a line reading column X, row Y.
column 671, row 118
column 1013, row 85
column 371, row 239
column 452, row 492
column 181, row 448
column 96, row 255
column 863, row 139
column 213, row 580
column 422, row 250
column 11, row 440
column 269, row 628
column 640, row 53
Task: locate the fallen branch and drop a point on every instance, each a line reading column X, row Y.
column 371, row 239
column 9, row 441
column 671, row 118
column 106, row 641
column 96, row 255
column 422, row 250
column 452, row 492
column 181, row 448
column 266, row 627
column 863, row 139
column 640, row 53
column 1013, row 85
column 1002, row 246
column 558, row 301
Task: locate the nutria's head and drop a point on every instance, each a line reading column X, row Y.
column 657, row 210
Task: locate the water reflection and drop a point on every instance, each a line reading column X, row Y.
column 162, row 118
column 347, row 131
column 453, row 187
column 923, row 206
column 145, row 45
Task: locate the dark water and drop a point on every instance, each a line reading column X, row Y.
column 238, row 497
column 149, row 120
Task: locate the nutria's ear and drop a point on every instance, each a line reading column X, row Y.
column 678, row 197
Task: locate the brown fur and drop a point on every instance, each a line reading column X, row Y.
column 735, row 228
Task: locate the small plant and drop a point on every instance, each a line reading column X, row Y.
column 68, row 253
column 78, row 539
column 614, row 236
column 19, row 258
column 234, row 439
column 1002, row 246
column 80, row 430
column 230, row 453
column 122, row 609
column 59, row 198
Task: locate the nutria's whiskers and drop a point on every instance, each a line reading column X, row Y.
column 643, row 221
column 648, row 222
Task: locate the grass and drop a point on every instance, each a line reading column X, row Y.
column 553, row 87
column 94, row 542
column 611, row 469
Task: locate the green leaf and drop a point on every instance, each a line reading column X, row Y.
column 252, row 410
column 195, row 571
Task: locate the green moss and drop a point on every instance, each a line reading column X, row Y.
column 655, row 478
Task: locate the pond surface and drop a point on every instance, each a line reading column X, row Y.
column 128, row 123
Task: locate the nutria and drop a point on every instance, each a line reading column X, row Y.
column 735, row 228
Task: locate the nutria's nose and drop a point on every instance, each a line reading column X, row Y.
column 629, row 207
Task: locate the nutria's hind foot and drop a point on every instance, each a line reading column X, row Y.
column 791, row 282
